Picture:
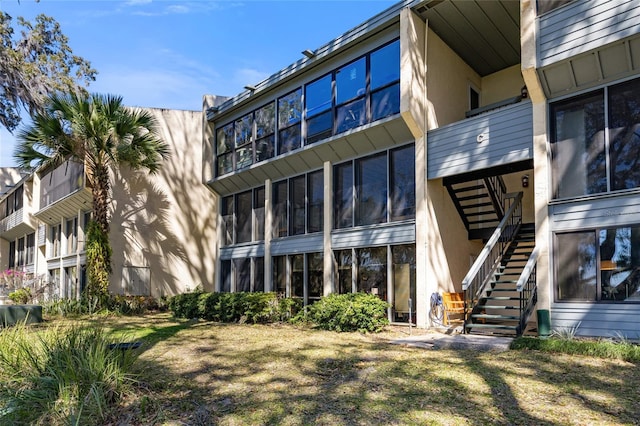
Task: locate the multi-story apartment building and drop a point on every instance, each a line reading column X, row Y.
column 477, row 146
column 157, row 234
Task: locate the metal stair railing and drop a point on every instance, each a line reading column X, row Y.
column 484, row 268
column 527, row 288
column 497, row 192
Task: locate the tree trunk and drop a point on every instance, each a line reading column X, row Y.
column 100, row 191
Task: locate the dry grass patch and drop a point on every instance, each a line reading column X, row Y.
column 201, row 373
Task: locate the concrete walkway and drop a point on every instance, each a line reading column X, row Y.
column 456, row 341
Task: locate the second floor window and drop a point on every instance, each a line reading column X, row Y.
column 595, row 145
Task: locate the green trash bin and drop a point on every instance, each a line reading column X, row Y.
column 544, row 323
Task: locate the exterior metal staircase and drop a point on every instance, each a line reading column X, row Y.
column 499, row 310
column 500, row 287
column 479, row 203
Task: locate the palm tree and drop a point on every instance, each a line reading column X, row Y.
column 100, row 132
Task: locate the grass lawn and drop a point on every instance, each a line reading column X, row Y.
column 198, row 373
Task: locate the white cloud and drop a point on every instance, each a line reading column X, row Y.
column 248, row 76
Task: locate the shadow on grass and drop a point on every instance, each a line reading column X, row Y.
column 208, row 373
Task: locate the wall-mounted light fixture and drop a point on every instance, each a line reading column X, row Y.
column 308, row 53
column 525, row 181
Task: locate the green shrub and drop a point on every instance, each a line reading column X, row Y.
column 132, row 305
column 21, row 296
column 349, row 312
column 60, row 376
column 234, row 307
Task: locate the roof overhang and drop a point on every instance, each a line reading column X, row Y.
column 484, row 33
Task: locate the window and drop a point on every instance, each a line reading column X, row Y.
column 474, row 98
column 280, row 197
column 362, row 199
column 343, row 195
column 298, row 205
column 227, row 220
column 298, row 197
column 12, row 254
column 20, row 259
column 31, row 248
column 371, row 190
column 598, row 265
column 225, row 276
column 385, row 81
column 289, row 121
column 372, row 271
column 351, row 89
column 71, row 235
column 258, row 274
column 280, row 275
column 297, row 275
column 595, row 145
column 345, row 271
column 265, row 132
column 315, row 199
column 244, row 141
column 243, row 217
column 315, row 276
column 258, row 216
column 365, row 90
column 402, row 185
column 318, row 99
column 224, row 148
column 242, row 269
column 577, row 146
column 56, row 230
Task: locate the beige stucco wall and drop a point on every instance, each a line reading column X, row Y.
column 167, row 221
column 501, row 85
column 448, row 79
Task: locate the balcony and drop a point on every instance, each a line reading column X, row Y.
column 16, row 225
column 500, row 137
column 584, row 43
column 63, row 193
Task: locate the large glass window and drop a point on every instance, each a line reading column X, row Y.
column 265, row 132
column 298, row 205
column 242, row 271
column 577, row 146
column 344, row 260
column 297, row 275
column 289, row 119
column 315, row 281
column 258, row 274
column 372, row 271
column 589, row 158
column 280, row 199
column 21, row 256
column 343, row 195
column 598, row 265
column 394, row 169
column 31, row 248
column 318, row 100
column 371, row 190
column 12, row 254
column 624, row 135
column 227, row 220
column 243, row 217
column 315, row 198
column 280, row 275
column 365, row 90
column 244, row 141
column 297, row 196
column 385, row 81
column 404, row 282
column 402, row 186
column 258, row 209
column 225, row 276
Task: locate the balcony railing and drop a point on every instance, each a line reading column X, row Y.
column 64, row 180
column 11, row 221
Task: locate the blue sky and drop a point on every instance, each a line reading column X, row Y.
column 169, row 53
